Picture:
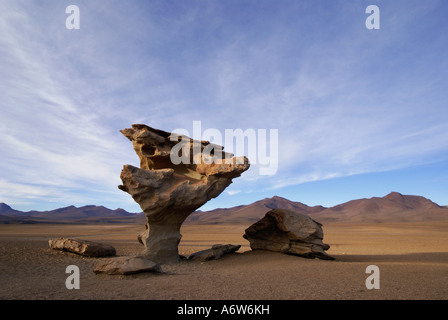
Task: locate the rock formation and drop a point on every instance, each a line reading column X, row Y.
column 288, row 232
column 82, row 247
column 215, row 252
column 169, row 191
column 125, row 265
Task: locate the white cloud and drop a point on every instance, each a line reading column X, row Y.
column 53, row 145
column 344, row 101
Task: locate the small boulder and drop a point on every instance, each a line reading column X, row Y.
column 216, row 252
column 82, row 247
column 288, row 232
column 125, row 265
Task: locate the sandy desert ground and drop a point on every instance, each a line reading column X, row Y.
column 412, row 259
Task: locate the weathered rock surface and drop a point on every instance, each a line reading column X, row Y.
column 168, row 192
column 125, row 265
column 288, row 232
column 82, row 247
column 216, row 252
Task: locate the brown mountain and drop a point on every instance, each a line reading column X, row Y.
column 73, row 212
column 70, row 214
column 248, row 214
column 394, row 207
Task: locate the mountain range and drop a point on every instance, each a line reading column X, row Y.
column 70, row 214
column 393, row 207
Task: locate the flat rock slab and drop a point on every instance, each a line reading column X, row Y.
column 216, row 252
column 125, row 265
column 82, row 247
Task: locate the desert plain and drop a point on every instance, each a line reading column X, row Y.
column 412, row 258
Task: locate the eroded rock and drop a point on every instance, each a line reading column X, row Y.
column 125, row 265
column 82, row 247
column 288, row 232
column 215, row 252
column 169, row 192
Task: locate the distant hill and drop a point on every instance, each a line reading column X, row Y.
column 393, row 207
column 248, row 214
column 70, row 214
column 5, row 209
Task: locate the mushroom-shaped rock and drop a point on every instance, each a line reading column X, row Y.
column 177, row 175
column 288, row 232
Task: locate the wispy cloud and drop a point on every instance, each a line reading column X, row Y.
column 348, row 107
column 54, row 143
column 345, row 100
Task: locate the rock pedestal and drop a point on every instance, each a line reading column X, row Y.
column 288, row 232
column 177, row 175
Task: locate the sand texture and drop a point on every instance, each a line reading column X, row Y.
column 412, row 259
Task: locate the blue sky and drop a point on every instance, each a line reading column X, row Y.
column 359, row 112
